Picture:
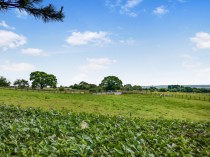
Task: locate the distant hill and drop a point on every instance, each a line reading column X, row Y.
column 192, row 86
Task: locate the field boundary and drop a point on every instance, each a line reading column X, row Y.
column 188, row 96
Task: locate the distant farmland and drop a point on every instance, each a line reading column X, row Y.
column 135, row 105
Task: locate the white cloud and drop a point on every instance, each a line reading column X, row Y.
column 128, row 42
column 161, row 10
column 97, row 64
column 130, row 4
column 124, row 8
column 201, row 40
column 10, row 39
column 21, row 13
column 93, row 67
column 33, row 52
column 113, row 3
column 85, row 38
column 5, row 25
column 17, row 67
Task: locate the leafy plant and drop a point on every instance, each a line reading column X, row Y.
column 33, row 132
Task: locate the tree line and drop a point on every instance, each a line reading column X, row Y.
column 40, row 80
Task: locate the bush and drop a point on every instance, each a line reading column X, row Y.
column 61, row 89
column 162, row 90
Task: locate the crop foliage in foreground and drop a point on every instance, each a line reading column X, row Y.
column 33, row 132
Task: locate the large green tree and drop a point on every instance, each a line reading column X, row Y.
column 127, row 87
column 4, row 82
column 21, row 83
column 41, row 79
column 111, row 83
column 136, row 87
column 34, row 7
column 84, row 86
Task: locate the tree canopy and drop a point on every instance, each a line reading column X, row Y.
column 33, row 7
column 111, row 83
column 4, row 82
column 127, row 87
column 41, row 79
column 21, row 83
column 84, row 86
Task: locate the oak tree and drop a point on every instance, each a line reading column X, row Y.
column 41, row 79
column 111, row 83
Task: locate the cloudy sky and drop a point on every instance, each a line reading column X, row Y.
column 144, row 42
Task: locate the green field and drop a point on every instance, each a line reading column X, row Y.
column 135, row 105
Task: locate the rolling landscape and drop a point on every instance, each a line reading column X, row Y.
column 114, row 78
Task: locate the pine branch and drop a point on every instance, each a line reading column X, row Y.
column 47, row 13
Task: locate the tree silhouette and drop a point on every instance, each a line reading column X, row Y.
column 21, row 83
column 4, row 82
column 111, row 83
column 41, row 79
column 32, row 7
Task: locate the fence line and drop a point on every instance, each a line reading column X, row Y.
column 189, row 96
column 184, row 96
column 47, row 91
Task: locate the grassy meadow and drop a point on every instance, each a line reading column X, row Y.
column 135, row 105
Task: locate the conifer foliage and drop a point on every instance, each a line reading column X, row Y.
column 33, row 7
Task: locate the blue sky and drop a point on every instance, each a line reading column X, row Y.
column 144, row 42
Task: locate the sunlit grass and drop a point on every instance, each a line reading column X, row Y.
column 135, row 105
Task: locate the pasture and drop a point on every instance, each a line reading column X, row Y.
column 129, row 105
